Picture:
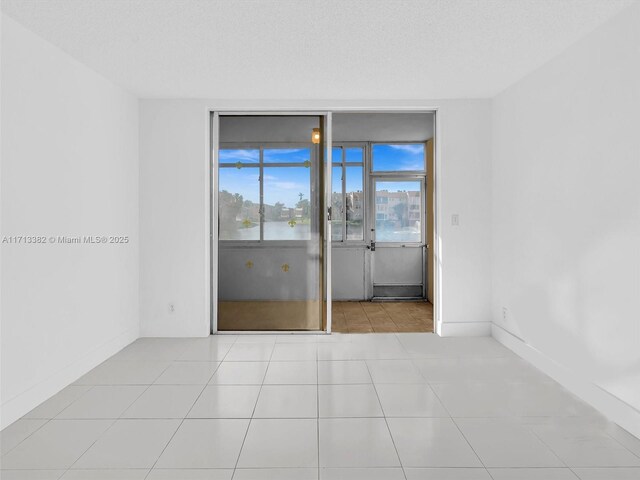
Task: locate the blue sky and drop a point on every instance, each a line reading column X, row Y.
column 287, row 155
column 398, row 157
column 271, row 155
column 284, row 184
column 354, row 179
column 239, row 155
column 243, row 181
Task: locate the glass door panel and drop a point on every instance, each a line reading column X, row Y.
column 336, row 203
column 398, row 211
column 354, row 203
column 397, row 254
column 270, row 271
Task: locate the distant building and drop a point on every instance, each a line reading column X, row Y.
column 403, row 207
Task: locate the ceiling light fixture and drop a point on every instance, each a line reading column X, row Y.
column 315, row 136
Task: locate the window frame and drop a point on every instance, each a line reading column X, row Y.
column 343, row 164
column 313, row 188
column 368, row 175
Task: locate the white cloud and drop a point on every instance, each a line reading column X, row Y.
column 249, row 156
column 412, row 149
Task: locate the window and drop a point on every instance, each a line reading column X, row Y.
column 347, row 199
column 354, row 203
column 239, row 203
column 286, row 206
column 265, row 194
column 337, row 199
column 399, row 218
column 398, row 157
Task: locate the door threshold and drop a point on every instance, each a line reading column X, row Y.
column 270, row 332
column 397, row 299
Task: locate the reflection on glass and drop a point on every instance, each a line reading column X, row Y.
column 404, row 157
column 239, row 155
column 270, row 270
column 286, row 203
column 398, row 211
column 354, row 204
column 336, row 204
column 287, row 155
column 239, row 203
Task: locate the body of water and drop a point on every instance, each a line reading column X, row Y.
column 272, row 231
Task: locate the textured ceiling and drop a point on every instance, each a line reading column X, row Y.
column 300, row 49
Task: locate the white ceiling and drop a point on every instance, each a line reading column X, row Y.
column 322, row 49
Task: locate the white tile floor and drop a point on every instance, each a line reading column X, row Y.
column 340, row 407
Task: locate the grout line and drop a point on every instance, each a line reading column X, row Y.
column 92, row 444
column 387, row 423
column 468, row 443
column 270, row 362
column 187, row 414
column 246, row 433
column 115, row 420
column 47, row 420
column 385, row 307
column 620, row 442
column 91, row 387
column 574, row 473
column 533, row 432
column 460, row 430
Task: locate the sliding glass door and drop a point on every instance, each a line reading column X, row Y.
column 271, row 223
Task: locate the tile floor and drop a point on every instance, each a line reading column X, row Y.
column 342, row 407
column 382, row 317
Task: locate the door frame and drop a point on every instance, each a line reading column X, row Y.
column 214, row 136
column 398, row 177
column 309, row 107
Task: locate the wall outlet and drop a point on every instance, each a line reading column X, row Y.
column 455, row 219
column 172, row 308
column 505, row 314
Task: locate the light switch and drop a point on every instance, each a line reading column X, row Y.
column 455, row 220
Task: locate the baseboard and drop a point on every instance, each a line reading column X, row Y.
column 19, row 405
column 464, row 329
column 609, row 405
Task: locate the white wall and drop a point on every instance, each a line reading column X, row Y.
column 69, row 167
column 174, row 266
column 566, row 217
column 464, row 183
column 174, row 156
